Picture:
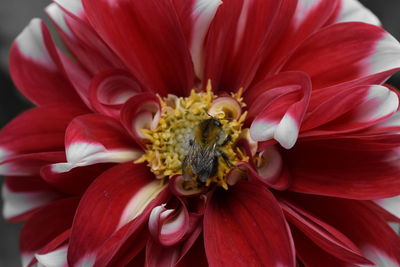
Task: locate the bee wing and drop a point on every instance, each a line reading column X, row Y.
column 187, row 171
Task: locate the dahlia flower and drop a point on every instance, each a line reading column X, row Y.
column 205, row 132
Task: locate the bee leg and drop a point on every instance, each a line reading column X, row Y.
column 227, row 139
column 225, row 158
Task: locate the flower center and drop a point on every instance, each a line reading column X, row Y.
column 196, row 138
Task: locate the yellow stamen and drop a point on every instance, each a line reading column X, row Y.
column 169, row 143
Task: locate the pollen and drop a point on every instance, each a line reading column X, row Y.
column 168, row 146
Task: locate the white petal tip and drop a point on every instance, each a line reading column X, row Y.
column 287, row 132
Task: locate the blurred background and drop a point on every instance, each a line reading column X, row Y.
column 16, row 14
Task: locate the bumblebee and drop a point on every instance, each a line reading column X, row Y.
column 201, row 161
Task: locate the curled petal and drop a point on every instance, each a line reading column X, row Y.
column 269, row 169
column 110, row 90
column 142, row 111
column 226, row 107
column 168, row 226
column 178, row 187
column 283, row 112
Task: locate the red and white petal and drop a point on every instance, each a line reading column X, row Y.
column 55, row 258
column 390, row 204
column 196, row 17
column 231, row 213
column 130, row 20
column 282, row 116
column 168, row 226
column 83, row 42
column 24, row 195
column 379, row 246
column 353, row 10
column 237, row 37
column 51, row 222
column 95, row 138
column 34, row 52
column 344, row 169
column 346, row 52
column 29, row 164
column 324, row 235
column 110, row 90
column 350, row 110
column 72, row 6
column 47, row 124
column 142, row 111
column 116, row 198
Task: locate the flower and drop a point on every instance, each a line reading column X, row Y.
column 195, row 132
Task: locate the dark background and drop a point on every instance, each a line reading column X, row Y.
column 16, row 14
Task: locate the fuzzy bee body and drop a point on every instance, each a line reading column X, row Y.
column 202, row 159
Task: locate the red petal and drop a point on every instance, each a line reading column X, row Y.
column 237, row 37
column 244, row 226
column 74, row 182
column 161, row 59
column 95, row 138
column 311, row 255
column 34, row 52
column 343, row 169
column 345, row 52
column 114, row 199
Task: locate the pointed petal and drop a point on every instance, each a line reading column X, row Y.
column 349, row 110
column 46, row 124
column 94, row 138
column 34, row 52
column 390, row 204
column 251, row 218
column 24, row 195
column 329, row 56
column 130, row 20
column 114, row 199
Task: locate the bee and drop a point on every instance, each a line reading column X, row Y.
column 201, row 161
